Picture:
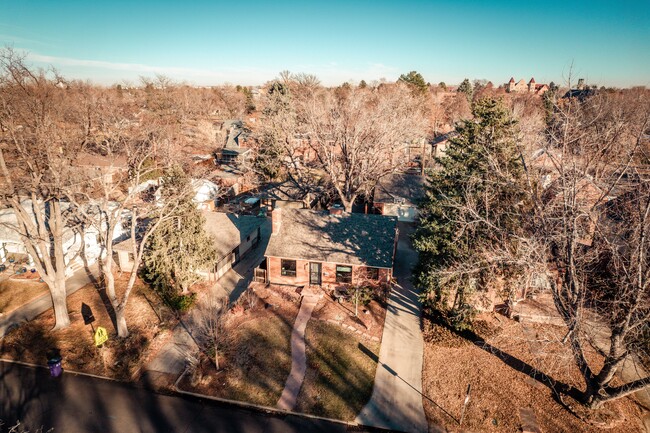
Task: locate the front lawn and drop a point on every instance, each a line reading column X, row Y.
column 340, row 375
column 17, row 292
column 119, row 358
column 256, row 358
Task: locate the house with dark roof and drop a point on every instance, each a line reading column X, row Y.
column 329, row 248
column 289, row 195
column 398, row 195
column 234, row 237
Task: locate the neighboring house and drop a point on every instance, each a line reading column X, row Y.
column 521, row 87
column 288, row 195
column 233, row 153
column 398, row 195
column 329, row 248
column 79, row 241
column 439, row 144
column 234, row 237
column 205, row 194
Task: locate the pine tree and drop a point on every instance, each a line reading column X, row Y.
column 472, row 205
column 415, row 80
column 180, row 246
column 466, row 88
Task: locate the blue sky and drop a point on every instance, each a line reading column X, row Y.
column 212, row 42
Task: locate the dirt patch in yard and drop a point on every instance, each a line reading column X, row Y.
column 255, row 358
column 341, row 368
column 15, row 292
column 369, row 322
column 119, row 358
column 500, row 389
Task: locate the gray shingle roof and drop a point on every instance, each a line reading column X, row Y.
column 349, row 238
column 229, row 230
column 403, row 188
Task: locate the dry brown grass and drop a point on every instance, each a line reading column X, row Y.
column 340, row 376
column 499, row 390
column 17, row 292
column 256, row 357
column 120, row 359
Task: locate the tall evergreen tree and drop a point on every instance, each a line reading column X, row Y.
column 180, row 246
column 415, row 80
column 472, row 208
column 466, row 88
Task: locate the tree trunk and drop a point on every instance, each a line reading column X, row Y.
column 347, row 204
column 120, row 319
column 60, row 305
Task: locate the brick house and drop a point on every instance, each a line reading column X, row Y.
column 329, row 248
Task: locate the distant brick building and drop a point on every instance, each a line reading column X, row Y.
column 521, row 87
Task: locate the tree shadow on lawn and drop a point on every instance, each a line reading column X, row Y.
column 338, row 383
column 255, row 358
column 375, row 358
column 557, row 387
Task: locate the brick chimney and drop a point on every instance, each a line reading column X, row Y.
column 276, row 220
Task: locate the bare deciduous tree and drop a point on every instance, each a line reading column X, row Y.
column 209, row 319
column 40, row 136
column 594, row 216
column 359, row 135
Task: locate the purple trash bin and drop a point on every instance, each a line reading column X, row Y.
column 54, row 365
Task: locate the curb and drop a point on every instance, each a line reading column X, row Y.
column 260, row 408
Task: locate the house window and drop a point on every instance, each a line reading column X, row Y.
column 248, row 238
column 288, row 268
column 372, row 274
column 343, row 274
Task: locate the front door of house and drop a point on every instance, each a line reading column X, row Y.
column 315, row 273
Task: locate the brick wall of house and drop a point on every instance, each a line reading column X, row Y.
column 385, row 275
column 275, row 272
column 328, row 273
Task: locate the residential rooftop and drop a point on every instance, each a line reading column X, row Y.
column 405, row 189
column 347, row 238
column 229, row 230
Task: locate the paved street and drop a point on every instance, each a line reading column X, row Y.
column 396, row 401
column 81, row 404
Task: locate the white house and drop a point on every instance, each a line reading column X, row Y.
column 77, row 239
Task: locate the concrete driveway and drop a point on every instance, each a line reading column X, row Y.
column 396, row 401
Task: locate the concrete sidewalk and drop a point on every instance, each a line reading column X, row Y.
column 396, row 401
column 44, row 302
